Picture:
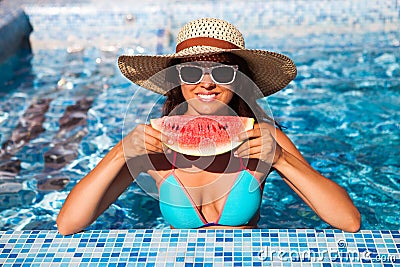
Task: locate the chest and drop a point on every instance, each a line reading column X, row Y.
column 203, row 187
column 192, row 200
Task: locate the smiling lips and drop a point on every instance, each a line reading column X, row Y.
column 207, row 97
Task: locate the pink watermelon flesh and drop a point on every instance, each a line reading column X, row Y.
column 202, row 135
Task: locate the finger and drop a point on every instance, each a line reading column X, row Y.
column 153, row 141
column 257, row 153
column 242, row 147
column 158, row 135
column 142, row 141
column 256, row 146
column 153, row 149
column 248, row 144
column 249, row 151
column 152, row 132
column 258, row 130
column 253, row 156
column 252, row 133
column 161, row 148
column 250, row 154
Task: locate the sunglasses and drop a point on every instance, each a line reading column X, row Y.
column 193, row 74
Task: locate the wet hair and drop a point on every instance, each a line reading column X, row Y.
column 176, row 102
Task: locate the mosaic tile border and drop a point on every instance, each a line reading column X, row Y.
column 256, row 247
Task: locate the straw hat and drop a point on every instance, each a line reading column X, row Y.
column 209, row 36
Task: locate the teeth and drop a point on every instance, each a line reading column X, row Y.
column 206, row 96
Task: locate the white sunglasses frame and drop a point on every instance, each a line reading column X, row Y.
column 207, row 70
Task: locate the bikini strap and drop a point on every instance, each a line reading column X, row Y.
column 174, row 161
column 253, row 173
column 242, row 167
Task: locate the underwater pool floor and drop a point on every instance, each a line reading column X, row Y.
column 257, row 247
column 66, row 65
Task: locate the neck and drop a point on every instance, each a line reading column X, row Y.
column 196, row 163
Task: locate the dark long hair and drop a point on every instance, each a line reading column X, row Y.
column 176, row 102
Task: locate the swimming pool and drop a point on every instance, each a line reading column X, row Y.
column 341, row 111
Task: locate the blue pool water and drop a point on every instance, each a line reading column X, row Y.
column 342, row 111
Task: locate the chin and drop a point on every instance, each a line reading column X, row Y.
column 210, row 111
column 210, row 108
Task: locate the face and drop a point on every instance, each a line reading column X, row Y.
column 207, row 96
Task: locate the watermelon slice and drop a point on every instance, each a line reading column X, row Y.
column 202, row 135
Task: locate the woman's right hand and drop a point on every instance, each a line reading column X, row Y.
column 142, row 140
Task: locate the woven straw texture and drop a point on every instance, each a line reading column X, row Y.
column 210, row 27
column 271, row 71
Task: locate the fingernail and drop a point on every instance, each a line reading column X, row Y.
column 170, row 142
column 236, row 138
column 235, row 153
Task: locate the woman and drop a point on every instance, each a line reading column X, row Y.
column 214, row 191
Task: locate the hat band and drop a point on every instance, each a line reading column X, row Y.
column 208, row 41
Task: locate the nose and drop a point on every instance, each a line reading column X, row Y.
column 207, row 82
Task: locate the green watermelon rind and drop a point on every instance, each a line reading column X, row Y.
column 247, row 123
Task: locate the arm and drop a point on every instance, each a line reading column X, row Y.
column 106, row 182
column 330, row 201
column 94, row 193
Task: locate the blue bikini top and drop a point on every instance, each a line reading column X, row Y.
column 179, row 209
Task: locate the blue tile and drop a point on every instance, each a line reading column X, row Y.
column 180, row 259
column 141, row 254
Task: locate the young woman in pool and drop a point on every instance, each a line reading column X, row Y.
column 222, row 191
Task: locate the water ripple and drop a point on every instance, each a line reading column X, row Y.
column 341, row 111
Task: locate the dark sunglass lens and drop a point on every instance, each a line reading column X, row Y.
column 191, row 74
column 223, row 74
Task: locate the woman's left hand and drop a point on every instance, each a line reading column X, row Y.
column 259, row 143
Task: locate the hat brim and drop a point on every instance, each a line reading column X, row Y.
column 271, row 71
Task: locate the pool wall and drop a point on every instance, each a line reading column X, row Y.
column 259, row 247
column 276, row 25
column 280, row 24
column 283, row 25
column 15, row 29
